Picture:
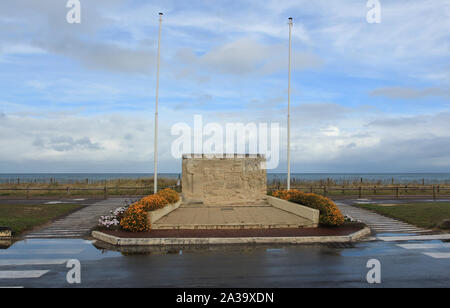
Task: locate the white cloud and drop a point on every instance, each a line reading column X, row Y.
column 410, row 93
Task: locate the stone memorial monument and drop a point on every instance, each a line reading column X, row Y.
column 225, row 179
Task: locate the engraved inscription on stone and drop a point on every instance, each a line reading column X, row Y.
column 224, row 180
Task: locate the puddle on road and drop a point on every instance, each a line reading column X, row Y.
column 53, row 249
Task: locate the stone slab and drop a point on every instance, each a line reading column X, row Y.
column 297, row 209
column 230, row 217
column 224, row 179
column 156, row 215
column 117, row 241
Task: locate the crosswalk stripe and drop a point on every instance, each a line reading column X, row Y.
column 16, row 262
column 395, row 231
column 393, row 225
column 63, row 230
column 55, row 233
column 22, row 274
column 424, row 246
column 415, row 237
column 55, row 242
column 41, row 251
column 398, row 229
column 53, row 236
column 12, row 287
column 438, row 255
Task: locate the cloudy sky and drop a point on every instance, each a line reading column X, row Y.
column 365, row 97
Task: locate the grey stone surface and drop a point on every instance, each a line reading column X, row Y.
column 113, row 240
column 377, row 222
column 80, row 223
column 231, row 217
column 236, row 179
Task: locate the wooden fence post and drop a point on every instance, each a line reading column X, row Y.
column 105, row 192
column 396, row 192
column 28, row 192
column 68, row 191
column 359, row 192
column 434, row 192
column 324, row 190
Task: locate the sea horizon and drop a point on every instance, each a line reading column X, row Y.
column 337, row 177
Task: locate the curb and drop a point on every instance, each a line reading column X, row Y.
column 117, row 241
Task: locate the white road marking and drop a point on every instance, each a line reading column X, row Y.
column 41, row 251
column 438, row 255
column 21, row 274
column 56, row 241
column 15, row 262
column 50, row 236
column 424, row 246
column 415, row 237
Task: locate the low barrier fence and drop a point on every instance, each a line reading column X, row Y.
column 74, row 191
column 434, row 191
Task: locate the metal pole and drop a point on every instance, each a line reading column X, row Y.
column 155, row 174
column 289, row 112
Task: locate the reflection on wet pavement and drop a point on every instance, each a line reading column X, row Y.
column 42, row 263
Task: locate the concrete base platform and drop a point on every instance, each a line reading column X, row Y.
column 121, row 241
column 238, row 216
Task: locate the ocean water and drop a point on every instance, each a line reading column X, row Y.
column 385, row 178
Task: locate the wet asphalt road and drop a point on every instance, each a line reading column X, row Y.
column 43, row 261
column 238, row 266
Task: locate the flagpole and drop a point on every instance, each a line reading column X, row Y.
column 155, row 174
column 289, row 112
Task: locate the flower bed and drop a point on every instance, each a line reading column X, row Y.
column 330, row 215
column 133, row 215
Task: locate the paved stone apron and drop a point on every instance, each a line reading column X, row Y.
column 231, row 216
column 80, row 223
column 378, row 223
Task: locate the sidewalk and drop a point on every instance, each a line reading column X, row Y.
column 378, row 223
column 78, row 224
